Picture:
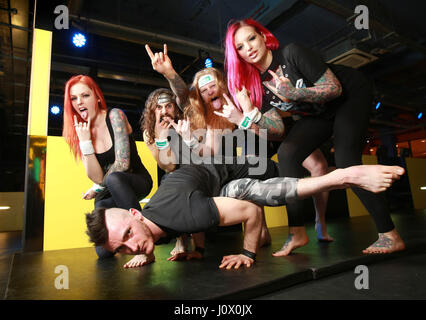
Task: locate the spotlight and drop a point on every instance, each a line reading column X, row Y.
column 55, row 110
column 378, row 105
column 79, row 40
column 208, row 63
column 420, row 115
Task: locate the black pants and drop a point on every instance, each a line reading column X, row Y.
column 348, row 127
column 124, row 191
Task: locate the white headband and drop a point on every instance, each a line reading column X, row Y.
column 205, row 80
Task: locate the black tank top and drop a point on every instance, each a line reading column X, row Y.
column 107, row 158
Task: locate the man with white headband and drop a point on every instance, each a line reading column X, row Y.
column 209, row 109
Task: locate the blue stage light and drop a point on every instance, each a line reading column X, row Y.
column 55, row 110
column 378, row 105
column 420, row 115
column 79, row 40
column 208, row 63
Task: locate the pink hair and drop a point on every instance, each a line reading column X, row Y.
column 239, row 72
column 68, row 131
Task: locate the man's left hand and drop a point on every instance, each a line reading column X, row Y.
column 235, row 261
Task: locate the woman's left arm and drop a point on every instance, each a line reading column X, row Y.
column 326, row 88
column 122, row 129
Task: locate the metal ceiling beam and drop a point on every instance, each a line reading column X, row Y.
column 178, row 44
column 288, row 14
column 158, row 82
column 338, row 9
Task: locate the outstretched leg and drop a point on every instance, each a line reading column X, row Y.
column 279, row 191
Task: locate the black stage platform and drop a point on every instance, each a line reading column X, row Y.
column 32, row 275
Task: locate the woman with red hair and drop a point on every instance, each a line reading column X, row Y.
column 329, row 100
column 102, row 139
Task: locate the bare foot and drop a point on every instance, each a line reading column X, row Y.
column 322, row 234
column 265, row 238
column 181, row 244
column 387, row 243
column 140, row 260
column 374, row 178
column 296, row 239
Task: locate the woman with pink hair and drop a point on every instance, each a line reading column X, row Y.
column 101, row 138
column 244, row 82
column 328, row 100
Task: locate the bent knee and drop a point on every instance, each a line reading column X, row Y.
column 113, row 178
column 253, row 209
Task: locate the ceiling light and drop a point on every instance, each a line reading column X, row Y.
column 79, row 40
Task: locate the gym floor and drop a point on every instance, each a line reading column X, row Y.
column 316, row 271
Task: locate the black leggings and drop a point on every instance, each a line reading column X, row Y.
column 126, row 189
column 348, row 127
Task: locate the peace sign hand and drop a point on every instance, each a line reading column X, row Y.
column 161, row 61
column 230, row 111
column 82, row 129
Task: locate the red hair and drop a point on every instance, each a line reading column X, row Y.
column 68, row 131
column 239, row 72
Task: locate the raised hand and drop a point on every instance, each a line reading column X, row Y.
column 82, row 129
column 279, row 85
column 243, row 98
column 230, row 111
column 161, row 61
column 183, row 128
column 162, row 127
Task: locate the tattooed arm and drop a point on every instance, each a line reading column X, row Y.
column 272, row 122
column 179, row 88
column 325, row 89
column 121, row 129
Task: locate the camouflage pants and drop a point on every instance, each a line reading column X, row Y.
column 272, row 192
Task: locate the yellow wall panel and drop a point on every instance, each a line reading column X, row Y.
column 66, row 181
column 276, row 216
column 151, row 165
column 40, row 79
column 416, row 170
